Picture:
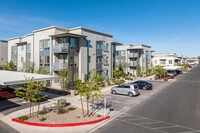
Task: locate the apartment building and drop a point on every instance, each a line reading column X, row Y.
column 55, row 48
column 167, row 59
column 3, row 52
column 192, row 61
column 133, row 56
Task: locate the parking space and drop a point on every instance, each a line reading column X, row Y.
column 118, row 102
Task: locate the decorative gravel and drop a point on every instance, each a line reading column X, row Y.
column 68, row 117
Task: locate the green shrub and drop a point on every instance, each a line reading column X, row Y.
column 71, row 108
column 130, row 78
column 43, row 119
column 118, row 82
column 123, row 74
column 156, row 77
column 43, row 112
column 98, row 116
column 165, row 79
column 23, row 118
column 61, row 110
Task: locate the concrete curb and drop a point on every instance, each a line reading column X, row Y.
column 60, row 125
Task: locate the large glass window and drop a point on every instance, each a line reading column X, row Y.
column 29, row 47
column 170, row 61
column 98, row 45
column 44, row 44
column 47, row 60
column 72, row 42
column 89, row 44
column 122, row 53
column 107, row 46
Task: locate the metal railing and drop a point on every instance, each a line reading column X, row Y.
column 60, row 48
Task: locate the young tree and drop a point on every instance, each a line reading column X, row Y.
column 30, row 92
column 139, row 70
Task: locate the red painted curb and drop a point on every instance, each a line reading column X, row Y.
column 60, row 125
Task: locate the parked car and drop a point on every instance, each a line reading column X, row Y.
column 126, row 89
column 173, row 72
column 145, row 85
column 178, row 71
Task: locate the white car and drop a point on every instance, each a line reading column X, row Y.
column 126, row 89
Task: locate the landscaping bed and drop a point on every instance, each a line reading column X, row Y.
column 72, row 114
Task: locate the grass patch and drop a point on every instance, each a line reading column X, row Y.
column 98, row 116
column 43, row 112
column 43, row 119
column 23, row 118
column 71, row 108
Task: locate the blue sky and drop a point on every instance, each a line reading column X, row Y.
column 169, row 26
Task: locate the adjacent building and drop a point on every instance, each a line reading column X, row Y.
column 167, row 59
column 3, row 52
column 134, row 55
column 192, row 61
column 55, row 48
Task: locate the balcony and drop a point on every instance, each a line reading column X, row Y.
column 105, row 63
column 60, row 48
column 133, row 64
column 133, row 55
column 99, row 67
column 59, row 66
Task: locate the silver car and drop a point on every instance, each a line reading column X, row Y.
column 126, row 89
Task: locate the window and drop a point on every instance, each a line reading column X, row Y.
column 29, row 47
column 41, row 61
column 89, row 44
column 47, row 60
column 44, row 44
column 106, row 59
column 99, row 59
column 122, row 53
column 72, row 42
column 126, row 86
column 22, row 59
column 170, row 61
column 22, row 47
column 106, row 72
column 89, row 59
column 107, row 46
column 155, row 61
column 1, row 58
column 163, row 62
column 98, row 45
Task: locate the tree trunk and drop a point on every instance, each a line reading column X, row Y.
column 82, row 106
column 88, row 106
column 30, row 108
column 92, row 105
column 38, row 109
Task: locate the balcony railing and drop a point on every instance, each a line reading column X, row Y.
column 133, row 55
column 105, row 63
column 104, row 48
column 60, row 48
column 59, row 66
column 99, row 67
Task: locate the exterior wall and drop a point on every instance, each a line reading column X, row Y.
column 135, row 55
column 3, row 52
column 93, row 37
column 169, row 59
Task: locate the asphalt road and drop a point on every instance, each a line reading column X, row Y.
column 4, row 128
column 174, row 109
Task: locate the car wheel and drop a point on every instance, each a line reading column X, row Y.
column 144, row 88
column 130, row 94
column 114, row 92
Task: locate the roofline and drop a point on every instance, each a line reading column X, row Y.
column 69, row 34
column 50, row 27
column 90, row 30
column 139, row 45
column 3, row 41
column 117, row 43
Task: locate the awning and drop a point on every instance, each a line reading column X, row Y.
column 15, row 78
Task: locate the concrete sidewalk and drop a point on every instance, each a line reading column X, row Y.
column 75, row 100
